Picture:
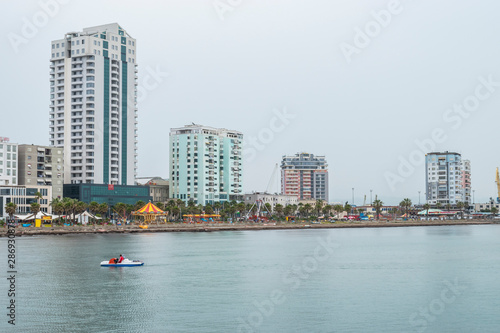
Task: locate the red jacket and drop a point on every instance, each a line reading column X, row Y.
column 121, row 259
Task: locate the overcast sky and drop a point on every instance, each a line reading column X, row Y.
column 357, row 81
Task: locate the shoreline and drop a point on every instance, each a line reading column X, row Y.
column 213, row 227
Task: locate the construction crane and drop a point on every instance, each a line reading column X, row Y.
column 497, row 180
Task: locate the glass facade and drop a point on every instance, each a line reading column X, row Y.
column 103, row 194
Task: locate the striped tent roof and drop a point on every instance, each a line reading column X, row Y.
column 149, row 208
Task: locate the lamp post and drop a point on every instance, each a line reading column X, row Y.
column 419, row 198
column 371, row 201
column 353, row 196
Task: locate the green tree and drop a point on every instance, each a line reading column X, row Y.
column 279, row 209
column 69, row 207
column 138, row 205
column 461, row 206
column 35, row 208
column 103, row 209
column 121, row 209
column 427, row 207
column 318, row 206
column 338, row 209
column 308, row 208
column 209, row 210
column 288, row 210
column 94, row 209
column 217, row 207
column 10, row 209
column 406, row 205
column 494, row 211
column 377, row 204
column 347, row 208
column 160, row 205
column 38, row 196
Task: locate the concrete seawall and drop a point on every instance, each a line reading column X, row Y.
column 211, row 227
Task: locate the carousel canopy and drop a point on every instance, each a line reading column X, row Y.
column 149, row 208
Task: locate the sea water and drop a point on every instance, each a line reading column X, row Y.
column 408, row 279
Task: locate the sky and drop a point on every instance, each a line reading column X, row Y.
column 371, row 85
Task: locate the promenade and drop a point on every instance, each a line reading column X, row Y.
column 211, row 227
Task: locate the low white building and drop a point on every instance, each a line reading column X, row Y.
column 478, row 207
column 23, row 197
column 272, row 199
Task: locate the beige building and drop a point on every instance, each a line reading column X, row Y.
column 41, row 165
column 158, row 187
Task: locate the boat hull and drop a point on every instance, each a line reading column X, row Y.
column 123, row 264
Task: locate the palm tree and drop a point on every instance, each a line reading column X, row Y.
column 302, row 211
column 217, row 207
column 57, row 207
column 209, row 210
column 93, row 208
column 103, row 209
column 338, row 209
column 461, row 206
column 241, row 208
column 494, row 211
column 278, row 208
column 80, row 207
column 176, row 211
column 69, row 206
column 288, row 210
column 139, row 204
column 318, row 206
column 38, row 196
column 347, row 208
column 121, row 209
column 308, row 208
column 35, row 208
column 326, row 210
column 160, row 205
column 10, row 209
column 377, row 204
column 405, row 205
column 427, row 207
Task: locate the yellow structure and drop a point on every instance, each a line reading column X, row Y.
column 149, row 213
column 498, row 185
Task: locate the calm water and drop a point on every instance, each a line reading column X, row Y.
column 421, row 279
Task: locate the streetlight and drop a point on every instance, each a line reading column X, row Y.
column 371, row 201
column 419, row 198
column 353, row 196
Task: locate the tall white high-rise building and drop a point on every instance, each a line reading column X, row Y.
column 93, row 106
column 8, row 162
column 205, row 164
column 448, row 180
